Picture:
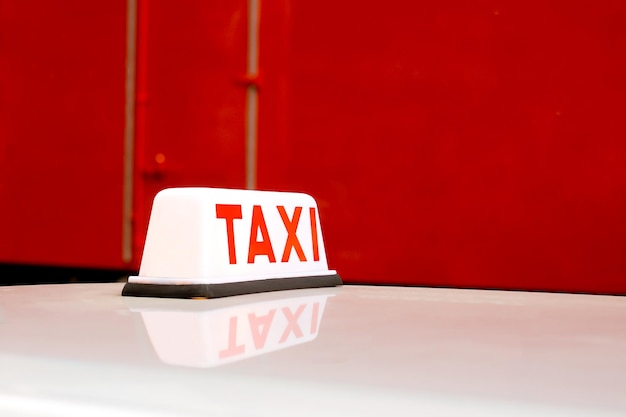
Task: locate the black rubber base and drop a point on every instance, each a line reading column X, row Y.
column 228, row 289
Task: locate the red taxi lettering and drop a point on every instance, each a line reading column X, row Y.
column 229, row 212
column 292, row 323
column 233, row 348
column 259, row 337
column 316, row 252
column 292, row 240
column 256, row 247
column 316, row 312
column 259, row 247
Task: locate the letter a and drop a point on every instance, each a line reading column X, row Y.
column 259, row 247
column 260, row 336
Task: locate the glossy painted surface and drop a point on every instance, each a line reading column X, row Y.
column 82, row 349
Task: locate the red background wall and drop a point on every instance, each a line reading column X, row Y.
column 191, row 59
column 447, row 143
column 451, row 143
column 61, row 131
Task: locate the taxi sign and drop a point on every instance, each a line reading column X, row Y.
column 213, row 242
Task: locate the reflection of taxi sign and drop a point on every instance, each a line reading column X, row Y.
column 209, row 242
column 229, row 334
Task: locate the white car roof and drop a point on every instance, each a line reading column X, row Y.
column 83, row 349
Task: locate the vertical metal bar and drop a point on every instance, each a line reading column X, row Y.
column 251, row 136
column 252, row 94
column 129, row 131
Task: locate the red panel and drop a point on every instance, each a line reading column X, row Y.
column 62, row 68
column 191, row 101
column 454, row 143
column 447, row 143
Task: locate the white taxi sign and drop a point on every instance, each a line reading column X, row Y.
column 213, row 242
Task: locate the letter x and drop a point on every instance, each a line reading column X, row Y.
column 292, row 238
column 292, row 323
